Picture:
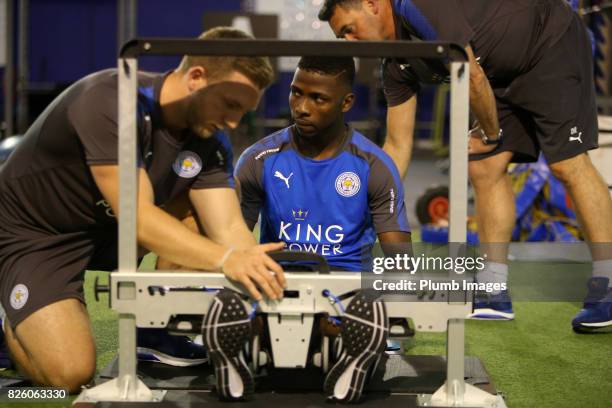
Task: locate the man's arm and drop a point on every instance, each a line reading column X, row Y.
column 395, row 237
column 169, row 238
column 387, row 206
column 395, row 243
column 401, row 119
column 157, row 230
column 219, row 213
column 482, row 104
column 400, row 133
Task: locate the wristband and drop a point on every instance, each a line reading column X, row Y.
column 224, row 258
column 487, row 139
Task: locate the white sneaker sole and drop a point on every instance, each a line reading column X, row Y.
column 365, row 329
column 170, row 360
column 490, row 314
column 598, row 324
column 226, row 329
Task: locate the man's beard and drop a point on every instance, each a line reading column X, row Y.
column 202, row 131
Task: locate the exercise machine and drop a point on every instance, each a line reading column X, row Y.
column 156, row 299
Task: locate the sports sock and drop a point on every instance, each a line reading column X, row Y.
column 493, row 272
column 603, row 269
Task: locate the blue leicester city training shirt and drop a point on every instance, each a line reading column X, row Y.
column 333, row 207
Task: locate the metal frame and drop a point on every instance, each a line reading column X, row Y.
column 127, row 13
column 128, row 284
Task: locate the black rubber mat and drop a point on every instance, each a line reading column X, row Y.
column 176, row 399
column 14, row 382
column 412, row 375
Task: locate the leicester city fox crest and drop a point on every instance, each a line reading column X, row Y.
column 348, row 184
column 187, row 164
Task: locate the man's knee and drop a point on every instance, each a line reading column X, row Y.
column 68, row 369
column 570, row 169
column 54, row 346
column 490, row 170
column 71, row 374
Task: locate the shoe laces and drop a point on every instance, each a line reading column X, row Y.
column 334, row 300
column 253, row 311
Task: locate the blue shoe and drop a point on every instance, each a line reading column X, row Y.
column 596, row 312
column 492, row 307
column 156, row 345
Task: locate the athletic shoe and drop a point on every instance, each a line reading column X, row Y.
column 365, row 328
column 492, row 307
column 226, row 330
column 596, row 312
column 157, row 345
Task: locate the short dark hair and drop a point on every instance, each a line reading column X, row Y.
column 257, row 69
column 329, row 7
column 343, row 67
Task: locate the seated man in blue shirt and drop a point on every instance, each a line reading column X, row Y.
column 322, row 187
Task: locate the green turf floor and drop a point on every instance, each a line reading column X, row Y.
column 536, row 360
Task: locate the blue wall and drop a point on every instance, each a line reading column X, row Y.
column 72, row 38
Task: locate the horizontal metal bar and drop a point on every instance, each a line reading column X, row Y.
column 153, row 307
column 280, row 48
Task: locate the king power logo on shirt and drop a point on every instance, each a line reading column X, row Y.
column 325, row 240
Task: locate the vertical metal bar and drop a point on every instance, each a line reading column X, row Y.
column 9, row 69
column 23, row 66
column 126, row 21
column 128, row 187
column 455, row 347
column 128, row 194
column 120, row 23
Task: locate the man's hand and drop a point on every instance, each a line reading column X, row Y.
column 400, row 131
column 476, row 145
column 253, row 268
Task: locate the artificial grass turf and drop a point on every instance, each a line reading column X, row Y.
column 537, row 360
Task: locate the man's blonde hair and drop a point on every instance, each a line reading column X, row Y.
column 257, row 69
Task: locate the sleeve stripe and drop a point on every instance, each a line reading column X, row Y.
column 415, row 17
column 362, row 143
column 365, row 145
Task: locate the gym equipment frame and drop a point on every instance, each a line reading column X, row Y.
column 146, row 299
